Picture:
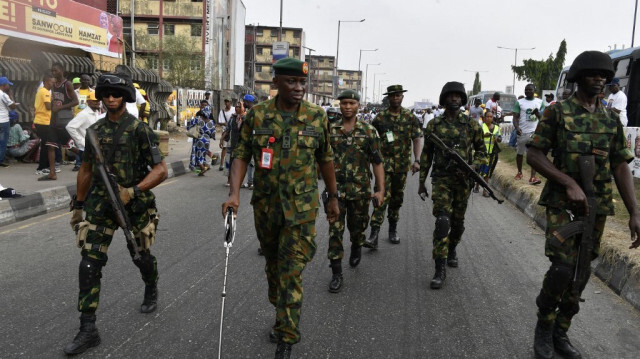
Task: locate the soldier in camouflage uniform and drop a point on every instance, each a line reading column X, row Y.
column 286, row 136
column 398, row 129
column 355, row 147
column 450, row 188
column 135, row 152
column 577, row 126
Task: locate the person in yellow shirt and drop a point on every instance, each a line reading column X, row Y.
column 83, row 93
column 42, row 118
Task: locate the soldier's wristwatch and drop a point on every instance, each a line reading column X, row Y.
column 136, row 191
column 334, row 195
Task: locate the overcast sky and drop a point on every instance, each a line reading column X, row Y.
column 425, row 43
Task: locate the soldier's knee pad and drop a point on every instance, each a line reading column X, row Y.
column 456, row 231
column 443, row 223
column 145, row 262
column 558, row 278
column 90, row 273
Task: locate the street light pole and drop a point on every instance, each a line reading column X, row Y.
column 366, row 74
column 373, row 96
column 515, row 62
column 633, row 32
column 310, row 72
column 359, row 59
column 335, row 67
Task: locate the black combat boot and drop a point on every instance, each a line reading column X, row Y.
column 452, row 259
column 393, row 233
column 87, row 337
column 441, row 274
column 150, row 299
column 562, row 344
column 283, row 351
column 543, row 341
column 356, row 253
column 336, row 280
column 372, row 241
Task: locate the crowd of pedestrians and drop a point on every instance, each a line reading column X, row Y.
column 62, row 111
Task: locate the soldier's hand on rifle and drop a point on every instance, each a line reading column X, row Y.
column 576, row 195
column 232, row 202
column 634, row 226
column 422, row 191
column 76, row 217
column 126, row 194
column 415, row 167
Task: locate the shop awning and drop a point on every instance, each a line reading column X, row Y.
column 72, row 64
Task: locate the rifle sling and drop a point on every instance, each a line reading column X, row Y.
column 116, row 137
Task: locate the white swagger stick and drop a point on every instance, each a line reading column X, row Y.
column 229, row 237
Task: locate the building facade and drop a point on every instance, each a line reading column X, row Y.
column 259, row 42
column 321, row 77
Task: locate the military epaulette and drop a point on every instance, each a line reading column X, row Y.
column 263, row 131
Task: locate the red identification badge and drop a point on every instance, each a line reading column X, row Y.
column 266, row 159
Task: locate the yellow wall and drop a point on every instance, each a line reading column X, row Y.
column 170, row 8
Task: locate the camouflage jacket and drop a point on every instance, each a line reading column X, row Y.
column 396, row 134
column 301, row 141
column 129, row 162
column 353, row 154
column 569, row 130
column 463, row 135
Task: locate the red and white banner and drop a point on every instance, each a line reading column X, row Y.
column 63, row 23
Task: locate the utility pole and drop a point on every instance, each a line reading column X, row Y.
column 310, row 73
column 633, row 32
column 335, row 68
column 359, row 59
column 280, row 30
column 515, row 61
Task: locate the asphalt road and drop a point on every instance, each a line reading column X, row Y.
column 385, row 310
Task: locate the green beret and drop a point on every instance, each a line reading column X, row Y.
column 349, row 94
column 292, row 67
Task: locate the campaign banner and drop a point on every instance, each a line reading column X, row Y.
column 62, row 23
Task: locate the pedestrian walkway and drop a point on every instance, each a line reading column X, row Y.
column 39, row 197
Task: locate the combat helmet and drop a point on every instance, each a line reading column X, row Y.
column 450, row 87
column 116, row 81
column 591, row 60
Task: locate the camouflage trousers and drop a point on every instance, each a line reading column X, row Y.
column 450, row 196
column 287, row 250
column 356, row 213
column 99, row 212
column 555, row 302
column 394, row 184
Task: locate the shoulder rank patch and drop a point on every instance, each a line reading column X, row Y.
column 312, row 133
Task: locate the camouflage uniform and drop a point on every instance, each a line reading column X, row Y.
column 285, row 199
column 129, row 164
column 450, row 191
column 354, row 152
column 569, row 130
column 397, row 160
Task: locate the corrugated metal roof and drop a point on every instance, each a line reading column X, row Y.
column 73, row 64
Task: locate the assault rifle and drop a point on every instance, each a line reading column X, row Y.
column 110, row 183
column 462, row 164
column 582, row 226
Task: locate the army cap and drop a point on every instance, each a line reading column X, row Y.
column 394, row 89
column 291, row 67
column 349, row 94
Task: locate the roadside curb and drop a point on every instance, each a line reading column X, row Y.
column 616, row 275
column 18, row 209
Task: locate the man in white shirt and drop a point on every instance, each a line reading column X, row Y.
column 223, row 118
column 617, row 101
column 526, row 112
column 476, row 111
column 132, row 107
column 6, row 105
column 77, row 127
column 493, row 106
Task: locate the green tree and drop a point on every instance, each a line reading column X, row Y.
column 477, row 85
column 543, row 73
column 183, row 54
